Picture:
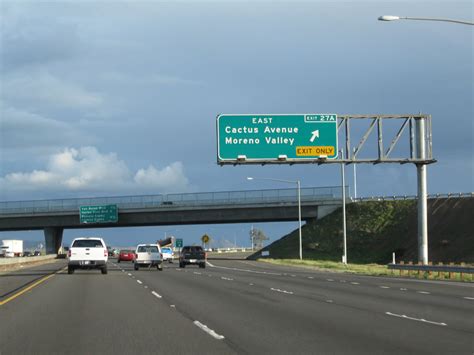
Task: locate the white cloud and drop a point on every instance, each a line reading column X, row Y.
column 86, row 169
column 172, row 175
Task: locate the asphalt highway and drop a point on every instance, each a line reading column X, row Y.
column 230, row 307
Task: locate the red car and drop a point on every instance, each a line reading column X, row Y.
column 126, row 255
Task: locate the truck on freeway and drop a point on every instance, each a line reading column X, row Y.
column 11, row 248
column 192, row 255
column 87, row 253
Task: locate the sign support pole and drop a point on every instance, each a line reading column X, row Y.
column 422, row 193
column 343, row 177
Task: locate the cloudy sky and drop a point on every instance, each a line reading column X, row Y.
column 102, row 98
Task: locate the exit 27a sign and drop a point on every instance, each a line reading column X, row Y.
column 271, row 137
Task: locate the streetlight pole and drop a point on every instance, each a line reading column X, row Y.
column 298, row 185
column 396, row 18
column 343, row 178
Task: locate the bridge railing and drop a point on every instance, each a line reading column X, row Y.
column 309, row 194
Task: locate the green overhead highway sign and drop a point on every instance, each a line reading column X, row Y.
column 179, row 243
column 276, row 137
column 98, row 214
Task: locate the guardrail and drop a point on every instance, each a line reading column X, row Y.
column 451, row 269
column 413, row 197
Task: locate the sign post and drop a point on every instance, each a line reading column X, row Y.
column 276, row 137
column 98, row 214
column 179, row 244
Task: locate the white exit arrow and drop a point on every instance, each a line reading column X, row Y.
column 314, row 136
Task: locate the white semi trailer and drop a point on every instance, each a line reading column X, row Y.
column 11, row 248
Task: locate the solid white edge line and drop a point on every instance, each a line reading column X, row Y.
column 208, row 263
column 155, row 294
column 139, row 282
column 211, row 332
column 469, row 298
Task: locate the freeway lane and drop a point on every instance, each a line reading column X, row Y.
column 91, row 313
column 267, row 309
column 15, row 281
column 237, row 307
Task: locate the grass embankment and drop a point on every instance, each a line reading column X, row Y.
column 376, row 229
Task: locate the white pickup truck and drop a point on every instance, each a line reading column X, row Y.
column 87, row 253
column 148, row 255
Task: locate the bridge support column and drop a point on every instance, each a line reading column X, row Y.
column 53, row 238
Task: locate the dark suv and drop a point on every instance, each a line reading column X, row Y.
column 194, row 255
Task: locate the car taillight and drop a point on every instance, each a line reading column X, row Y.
column 106, row 253
column 69, row 253
column 161, row 255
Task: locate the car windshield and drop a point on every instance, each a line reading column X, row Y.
column 166, row 250
column 87, row 243
column 148, row 249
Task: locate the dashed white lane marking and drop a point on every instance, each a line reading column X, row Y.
column 355, row 283
column 415, row 319
column 250, row 284
column 211, row 332
column 226, row 278
column 329, row 301
column 172, row 306
column 197, row 273
column 469, row 298
column 129, row 274
column 123, row 270
column 282, row 291
column 310, row 277
column 178, row 269
column 403, row 289
column 139, row 282
column 384, row 287
column 424, row 292
column 293, row 275
column 330, row 280
column 155, row 294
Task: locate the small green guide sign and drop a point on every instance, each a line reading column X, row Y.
column 276, row 137
column 98, row 214
column 179, row 243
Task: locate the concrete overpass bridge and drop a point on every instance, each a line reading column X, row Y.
column 53, row 216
